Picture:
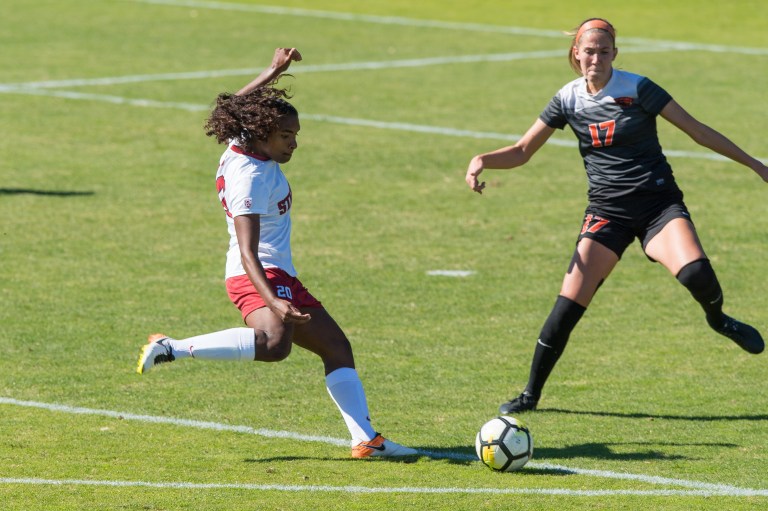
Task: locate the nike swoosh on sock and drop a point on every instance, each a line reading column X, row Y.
column 545, row 345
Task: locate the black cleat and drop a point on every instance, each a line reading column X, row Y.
column 522, row 403
column 747, row 337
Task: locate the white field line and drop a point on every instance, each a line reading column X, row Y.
column 447, row 25
column 107, row 98
column 380, row 489
column 42, row 89
column 512, row 138
column 298, row 69
column 176, row 422
column 368, row 123
column 34, row 88
column 451, row 273
column 696, row 488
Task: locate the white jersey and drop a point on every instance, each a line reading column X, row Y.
column 248, row 184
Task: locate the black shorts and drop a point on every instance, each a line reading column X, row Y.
column 618, row 224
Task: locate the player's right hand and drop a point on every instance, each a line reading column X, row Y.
column 473, row 171
column 287, row 313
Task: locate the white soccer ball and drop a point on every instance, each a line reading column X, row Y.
column 504, row 444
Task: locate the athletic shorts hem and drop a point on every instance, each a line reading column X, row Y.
column 245, row 297
column 617, row 234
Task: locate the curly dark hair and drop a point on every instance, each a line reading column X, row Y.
column 251, row 116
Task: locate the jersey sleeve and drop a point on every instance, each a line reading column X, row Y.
column 652, row 97
column 248, row 195
column 553, row 115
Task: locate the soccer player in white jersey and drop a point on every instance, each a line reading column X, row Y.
column 632, row 193
column 260, row 128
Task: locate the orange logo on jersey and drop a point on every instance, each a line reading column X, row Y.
column 624, row 102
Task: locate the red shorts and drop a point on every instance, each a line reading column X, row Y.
column 247, row 299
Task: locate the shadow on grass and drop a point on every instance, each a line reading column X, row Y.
column 50, row 193
column 460, row 455
column 637, row 415
column 465, row 455
column 603, row 451
column 280, row 459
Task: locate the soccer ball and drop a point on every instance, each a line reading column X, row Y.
column 504, row 444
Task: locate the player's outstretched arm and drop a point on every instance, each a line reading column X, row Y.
column 710, row 138
column 281, row 60
column 508, row 157
column 248, row 230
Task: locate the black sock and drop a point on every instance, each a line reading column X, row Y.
column 701, row 281
column 552, row 340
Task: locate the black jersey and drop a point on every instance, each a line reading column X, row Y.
column 617, row 134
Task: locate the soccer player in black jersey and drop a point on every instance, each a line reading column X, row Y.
column 632, row 193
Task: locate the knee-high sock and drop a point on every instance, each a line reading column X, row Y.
column 552, row 340
column 700, row 279
column 232, row 344
column 347, row 392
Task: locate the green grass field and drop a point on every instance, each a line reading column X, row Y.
column 111, row 230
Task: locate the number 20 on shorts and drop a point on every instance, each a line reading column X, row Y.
column 284, row 292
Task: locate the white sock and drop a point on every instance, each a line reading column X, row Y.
column 347, row 392
column 232, row 344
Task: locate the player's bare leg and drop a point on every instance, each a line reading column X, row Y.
column 677, row 248
column 272, row 336
column 321, row 335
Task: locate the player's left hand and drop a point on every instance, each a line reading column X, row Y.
column 283, row 58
